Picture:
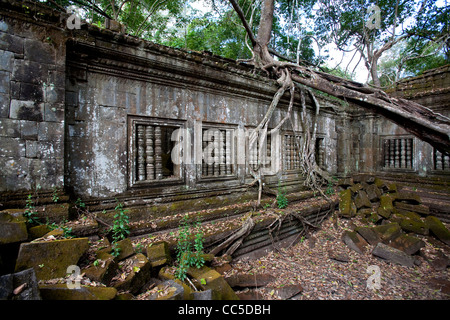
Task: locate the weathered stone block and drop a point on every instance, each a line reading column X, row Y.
column 9, row 128
column 393, row 255
column 211, row 279
column 12, row 43
column 362, row 200
column 5, row 82
column 104, row 269
column 31, row 92
column 50, row 259
column 140, row 274
column 369, row 234
column 373, row 193
column 438, row 229
column 408, row 197
column 169, row 290
column 6, row 61
column 388, row 231
column 386, row 203
column 418, row 208
column 25, row 282
column 60, row 291
column 126, row 249
column 158, row 254
column 416, row 226
column 346, row 206
column 26, row 110
column 39, row 51
column 5, row 101
column 408, row 244
column 12, row 229
column 12, row 147
column 354, row 241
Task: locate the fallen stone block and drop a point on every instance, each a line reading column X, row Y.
column 354, row 241
column 133, row 274
column 345, row 182
column 211, row 279
column 415, row 226
column 407, row 243
column 242, row 280
column 158, row 254
column 61, row 291
column 362, row 200
column 408, row 197
column 346, row 206
column 386, row 202
column 286, row 292
column 393, row 255
column 126, row 249
column 103, row 269
column 373, row 193
column 369, row 234
column 50, row 259
column 12, row 229
column 438, row 229
column 21, row 285
column 418, row 208
column 388, row 231
column 168, row 290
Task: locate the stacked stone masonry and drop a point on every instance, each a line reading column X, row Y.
column 101, row 113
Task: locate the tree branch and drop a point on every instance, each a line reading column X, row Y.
column 241, row 16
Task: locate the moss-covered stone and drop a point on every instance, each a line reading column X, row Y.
column 211, row 279
column 346, row 206
column 438, row 229
column 388, row 231
column 415, row 226
column 103, row 270
column 158, row 254
column 408, row 197
column 126, row 249
column 354, row 241
column 62, row 292
column 362, row 200
column 418, row 208
column 407, row 243
column 12, row 229
column 38, row 231
column 140, row 274
column 50, row 259
column 386, row 203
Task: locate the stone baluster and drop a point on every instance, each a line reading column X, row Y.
column 158, row 152
column 149, row 136
column 205, row 156
column 222, row 146
column 228, row 151
column 140, row 152
column 402, row 153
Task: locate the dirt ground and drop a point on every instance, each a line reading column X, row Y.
column 323, row 267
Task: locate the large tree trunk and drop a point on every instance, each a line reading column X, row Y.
column 413, row 117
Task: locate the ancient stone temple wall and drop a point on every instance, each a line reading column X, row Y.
column 133, row 106
column 103, row 115
column 32, row 86
column 382, row 147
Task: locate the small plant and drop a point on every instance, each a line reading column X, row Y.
column 67, row 232
column 188, row 255
column 282, row 201
column 330, row 187
column 120, row 228
column 55, row 195
column 30, row 211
